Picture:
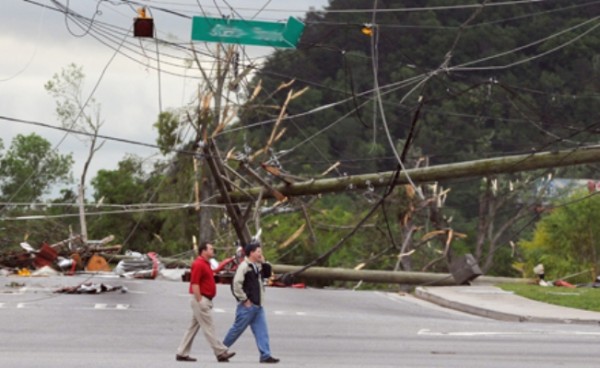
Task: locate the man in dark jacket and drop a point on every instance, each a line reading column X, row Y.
column 248, row 289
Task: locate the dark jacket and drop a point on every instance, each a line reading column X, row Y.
column 248, row 281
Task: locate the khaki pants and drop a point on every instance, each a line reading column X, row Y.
column 202, row 318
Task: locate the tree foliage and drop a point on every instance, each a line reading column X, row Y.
column 30, row 168
column 138, row 227
column 567, row 240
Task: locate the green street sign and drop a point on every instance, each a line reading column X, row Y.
column 247, row 32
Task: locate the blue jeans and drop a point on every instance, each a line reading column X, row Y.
column 253, row 316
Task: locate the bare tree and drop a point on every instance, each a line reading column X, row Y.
column 502, row 203
column 77, row 113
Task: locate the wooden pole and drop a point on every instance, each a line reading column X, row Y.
column 498, row 165
column 386, row 277
column 345, row 274
column 214, row 163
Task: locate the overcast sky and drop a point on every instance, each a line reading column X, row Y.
column 37, row 42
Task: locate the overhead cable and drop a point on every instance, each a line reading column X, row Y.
column 79, row 132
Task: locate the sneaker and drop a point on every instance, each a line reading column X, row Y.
column 225, row 356
column 186, row 358
column 269, row 360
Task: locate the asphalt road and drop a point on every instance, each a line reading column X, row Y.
column 308, row 328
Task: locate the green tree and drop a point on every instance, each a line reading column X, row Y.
column 125, row 185
column 123, row 191
column 567, row 240
column 30, row 168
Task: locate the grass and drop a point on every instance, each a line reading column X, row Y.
column 580, row 298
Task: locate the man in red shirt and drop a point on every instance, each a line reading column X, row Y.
column 203, row 290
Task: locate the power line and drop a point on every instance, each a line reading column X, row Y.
column 460, row 67
column 378, row 99
column 466, row 67
column 66, row 11
column 426, row 8
column 34, row 53
column 452, row 27
column 106, row 34
column 149, row 3
column 100, row 204
column 100, row 213
column 79, row 132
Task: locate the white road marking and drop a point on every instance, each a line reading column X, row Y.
column 35, row 289
column 1, row 305
column 428, row 332
column 20, row 291
column 284, row 313
column 135, row 292
column 218, row 310
column 21, row 305
column 111, row 307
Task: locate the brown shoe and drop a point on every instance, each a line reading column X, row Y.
column 225, row 356
column 187, row 358
column 269, row 360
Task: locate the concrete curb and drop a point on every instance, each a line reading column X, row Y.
column 466, row 308
column 517, row 316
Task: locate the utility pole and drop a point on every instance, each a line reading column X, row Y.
column 207, row 121
column 386, row 277
column 82, row 222
column 238, row 220
column 238, row 32
column 497, row 165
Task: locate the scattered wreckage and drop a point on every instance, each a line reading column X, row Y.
column 73, row 255
column 90, row 288
column 540, row 273
column 69, row 255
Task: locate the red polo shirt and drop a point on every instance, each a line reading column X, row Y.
column 203, row 275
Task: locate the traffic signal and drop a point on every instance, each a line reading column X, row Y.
column 143, row 26
column 367, row 29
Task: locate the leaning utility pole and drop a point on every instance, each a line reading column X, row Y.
column 498, row 165
column 222, row 180
column 236, row 32
column 214, row 113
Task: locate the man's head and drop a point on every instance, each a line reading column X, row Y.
column 206, row 250
column 253, row 251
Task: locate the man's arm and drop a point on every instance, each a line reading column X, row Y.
column 238, row 282
column 266, row 270
column 196, row 292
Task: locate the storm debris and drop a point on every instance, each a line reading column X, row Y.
column 90, row 288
